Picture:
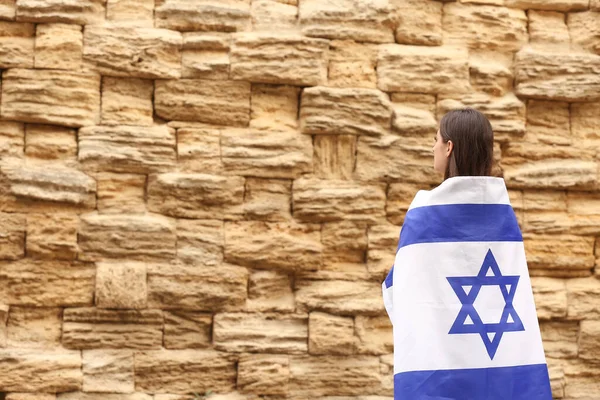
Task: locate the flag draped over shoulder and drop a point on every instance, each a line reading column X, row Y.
column 460, row 299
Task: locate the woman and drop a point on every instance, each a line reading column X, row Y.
column 459, row 294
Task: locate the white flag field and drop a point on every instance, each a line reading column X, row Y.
column 460, row 299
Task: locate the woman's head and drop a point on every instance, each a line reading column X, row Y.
column 464, row 144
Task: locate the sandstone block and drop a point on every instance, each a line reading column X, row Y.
column 409, row 120
column 270, row 291
column 563, row 252
column 589, row 340
column 399, row 197
column 374, row 335
column 582, row 297
column 334, row 156
column 58, row 46
column 121, row 285
column 331, row 334
column 30, row 396
column 121, row 193
column 187, row 329
column 382, row 245
column 50, row 142
column 548, row 122
column 108, row 371
column 548, row 28
column 12, row 236
column 12, row 137
column 103, row 396
column 199, row 150
column 8, row 11
column 264, row 374
column 490, row 76
column 91, row 328
column 268, row 199
column 200, row 241
column 206, row 55
column 3, row 321
column 203, row 15
column 87, row 12
column 352, row 64
column 344, row 241
column 16, row 44
column 131, row 12
column 585, row 30
column 274, row 15
column 34, row 327
column 52, row 236
column 584, row 121
column 127, row 101
column 419, row 23
column 560, row 338
column 260, row 333
column 550, row 296
column 285, row 58
column 553, row 5
column 340, row 297
column 274, row 107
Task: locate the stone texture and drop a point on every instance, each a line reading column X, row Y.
column 133, row 52
column 30, row 396
column 366, row 21
column 52, row 11
column 184, row 371
column 50, row 142
column 548, row 29
column 344, row 241
column 410, row 120
column 46, row 283
column 282, row 59
column 121, row 193
column 8, row 10
column 127, row 101
column 91, row 328
column 382, row 245
column 567, row 254
column 264, row 374
column 548, row 122
column 556, row 5
column 32, row 370
column 352, row 64
column 58, row 46
column 250, row 244
column 12, row 139
column 200, row 240
column 17, row 40
column 131, row 12
column 121, row 285
column 52, row 236
column 374, row 335
column 34, row 327
column 585, row 30
column 582, row 297
column 202, row 288
column 108, row 371
column 203, row 15
column 490, row 76
column 213, row 102
column 4, row 309
column 270, row 291
column 206, row 55
column 345, row 111
column 585, row 118
column 331, row 334
column 199, row 150
column 260, row 333
column 103, row 396
column 268, row 199
column 274, row 107
column 560, row 339
column 589, row 339
column 137, row 237
column 51, row 96
column 187, row 329
column 272, row 14
column 12, row 236
column 550, row 296
column 334, row 156
column 399, row 197
column 419, row 23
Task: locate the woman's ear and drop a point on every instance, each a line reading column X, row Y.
column 449, row 148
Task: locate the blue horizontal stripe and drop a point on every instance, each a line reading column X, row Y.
column 460, row 223
column 527, row 382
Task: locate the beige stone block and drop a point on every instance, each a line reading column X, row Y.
column 199, row 150
column 261, row 333
column 250, row 244
column 34, row 327
column 357, row 111
column 46, row 283
column 352, row 64
column 131, row 12
column 283, row 59
column 30, row 396
column 560, row 338
column 213, row 102
column 550, row 297
column 200, row 241
column 585, row 30
column 184, row 371
column 16, row 44
column 344, row 241
column 12, row 139
column 331, row 334
column 228, row 396
column 103, row 396
column 206, row 55
column 133, row 52
column 58, row 46
column 268, row 199
column 32, row 370
column 189, row 195
column 4, row 309
column 108, row 371
column 557, row 377
column 542, row 74
column 264, row 374
column 559, row 252
column 270, row 291
column 585, row 119
column 583, row 294
column 266, row 154
column 51, row 96
column 340, row 297
column 91, row 328
column 121, row 193
column 50, row 142
column 548, row 29
column 198, row 287
column 118, row 236
column 412, row 121
column 365, row 21
column 187, row 329
column 52, row 236
column 274, row 15
column 335, row 200
column 374, row 335
column 121, row 285
column 548, row 122
column 87, row 12
column 203, row 15
column 419, row 23
column 127, row 101
column 12, row 236
column 589, row 340
column 312, row 377
column 595, row 5
column 382, row 245
column 274, row 107
column 399, row 197
column 490, row 76
column 334, row 156
column 8, row 10
column 552, row 5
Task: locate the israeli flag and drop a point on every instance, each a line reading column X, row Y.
column 460, row 299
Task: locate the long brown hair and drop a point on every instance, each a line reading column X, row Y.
column 473, row 139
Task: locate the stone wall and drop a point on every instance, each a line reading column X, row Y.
column 205, row 195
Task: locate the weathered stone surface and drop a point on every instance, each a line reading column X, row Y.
column 544, row 74
column 419, row 23
column 594, row 5
column 12, row 236
column 199, row 150
column 203, row 15
column 195, row 195
column 320, row 376
column 131, row 12
column 365, row 21
column 121, row 285
column 412, row 121
column 282, row 59
column 46, row 283
column 555, row 5
column 103, row 396
column 382, row 245
column 203, row 288
column 260, row 333
column 548, row 28
column 108, row 371
column 200, row 241
column 7, row 11
column 91, row 328
column 565, row 254
column 585, row 119
column 560, row 339
column 44, row 371
column 86, row 12
column 585, row 30
column 264, row 374
column 345, row 111
column 250, row 244
column 51, row 96
column 589, row 340
column 214, row 102
column 582, row 298
column 266, row 154
column 127, row 101
column 58, row 46
column 52, row 236
column 121, row 193
column 274, row 107
column 331, row 334
column 50, row 142
column 187, row 329
column 340, row 297
column 399, row 197
column 137, row 237
column 490, row 76
column 548, row 122
column 344, row 241
column 268, row 199
column 274, row 15
column 374, row 335
column 330, row 200
column 352, row 64
column 34, row 327
column 423, row 69
column 270, row 291
column 184, row 371
column 30, row 396
column 12, row 139
column 550, row 297
column 206, row 55
column 334, row 156
column 16, row 44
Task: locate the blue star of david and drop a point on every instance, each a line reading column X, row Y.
column 490, row 333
